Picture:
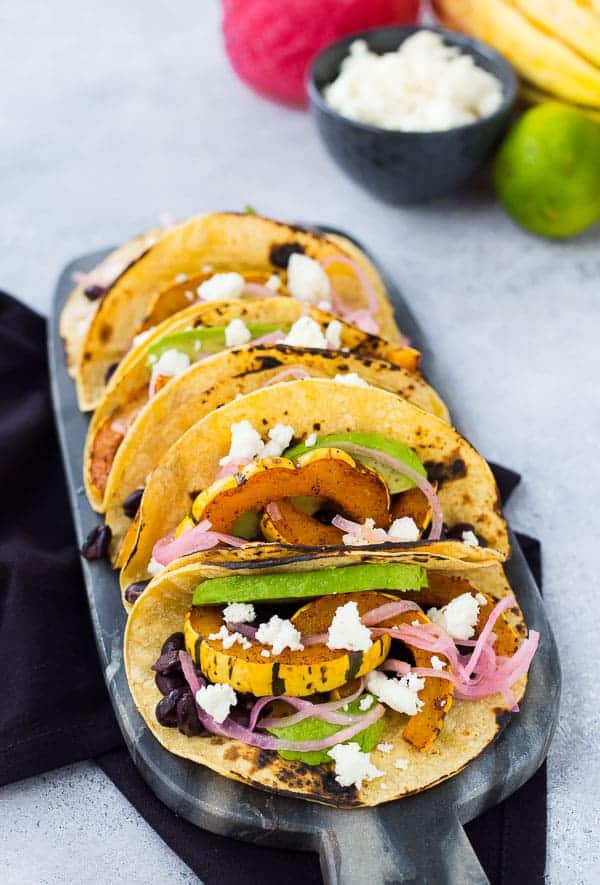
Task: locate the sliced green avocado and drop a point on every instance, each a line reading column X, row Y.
column 247, row 525
column 205, row 339
column 396, row 481
column 312, row 729
column 308, row 585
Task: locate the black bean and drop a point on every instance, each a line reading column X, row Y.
column 175, row 642
column 167, row 662
column 94, row 291
column 166, row 709
column 110, row 372
column 131, row 503
column 97, row 543
column 166, row 683
column 188, row 722
column 134, row 591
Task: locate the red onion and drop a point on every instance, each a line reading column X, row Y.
column 305, row 709
column 232, row 468
column 403, row 669
column 483, row 636
column 199, row 538
column 247, row 630
column 389, row 610
column 231, row 729
column 365, row 282
column 270, row 338
column 420, row 481
column 258, row 290
column 272, row 510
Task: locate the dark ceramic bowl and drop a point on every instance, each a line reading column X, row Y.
column 409, row 167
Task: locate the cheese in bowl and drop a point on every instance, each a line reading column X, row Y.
column 425, row 85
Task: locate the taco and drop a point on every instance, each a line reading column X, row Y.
column 91, row 287
column 230, row 245
column 338, row 680
column 313, row 464
column 193, row 336
column 207, row 386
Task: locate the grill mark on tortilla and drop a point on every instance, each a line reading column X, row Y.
column 279, row 253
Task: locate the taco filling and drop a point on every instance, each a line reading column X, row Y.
column 346, row 489
column 161, row 355
column 378, row 649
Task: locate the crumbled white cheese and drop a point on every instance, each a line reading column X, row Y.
column 437, row 663
column 239, row 613
column 416, row 623
column 279, row 634
column 470, row 539
column 274, row 282
column 154, row 568
column 266, row 653
column 228, row 639
column 333, row 334
column 365, row 534
column 216, row 700
column 366, row 703
column 280, row 437
column 171, row 363
column 189, row 295
column 222, row 286
column 385, row 747
column 399, row 694
column 245, row 444
column 310, row 440
column 181, row 278
column 306, row 332
column 402, row 764
column 237, row 333
column 481, row 599
column 459, row 617
column 306, row 280
column 424, row 86
column 347, row 630
column 404, row 529
column 351, row 379
column 352, row 766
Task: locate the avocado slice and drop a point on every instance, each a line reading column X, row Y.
column 247, row 525
column 312, row 729
column 396, row 481
column 308, row 585
column 205, row 339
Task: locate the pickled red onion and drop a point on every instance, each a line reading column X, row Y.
column 199, row 538
column 305, row 709
column 270, row 338
column 365, row 282
column 272, row 510
column 437, row 519
column 231, row 729
column 257, row 290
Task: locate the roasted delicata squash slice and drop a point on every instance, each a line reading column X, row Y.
column 285, row 523
column 316, row 668
column 357, row 492
column 172, row 299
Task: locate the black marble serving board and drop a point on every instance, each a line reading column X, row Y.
column 419, row 839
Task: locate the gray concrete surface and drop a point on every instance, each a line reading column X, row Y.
column 111, row 115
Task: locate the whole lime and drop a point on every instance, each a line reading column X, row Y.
column 547, row 171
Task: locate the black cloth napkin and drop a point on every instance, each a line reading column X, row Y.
column 54, row 708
